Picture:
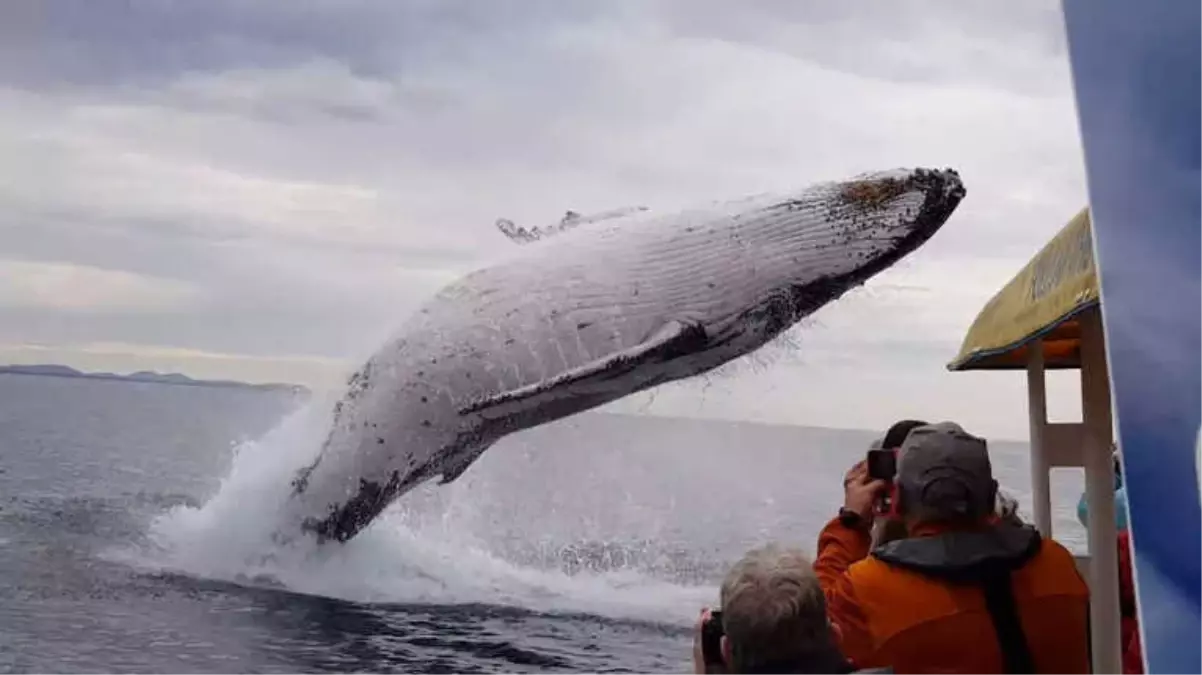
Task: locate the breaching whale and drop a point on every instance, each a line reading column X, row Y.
column 592, row 310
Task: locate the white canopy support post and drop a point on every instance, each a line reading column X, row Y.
column 1037, row 410
column 1099, row 492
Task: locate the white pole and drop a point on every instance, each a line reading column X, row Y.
column 1037, row 411
column 1099, row 491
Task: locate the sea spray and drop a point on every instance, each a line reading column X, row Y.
column 436, row 546
column 233, row 531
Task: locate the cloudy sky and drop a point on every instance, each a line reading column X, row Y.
column 264, row 189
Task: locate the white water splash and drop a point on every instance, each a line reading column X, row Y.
column 439, row 556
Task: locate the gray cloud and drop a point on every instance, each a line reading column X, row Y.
column 304, row 173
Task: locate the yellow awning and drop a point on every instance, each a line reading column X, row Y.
column 1042, row 300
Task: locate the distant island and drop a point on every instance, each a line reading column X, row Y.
column 147, row 376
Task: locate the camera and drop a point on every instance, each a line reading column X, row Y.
column 711, row 639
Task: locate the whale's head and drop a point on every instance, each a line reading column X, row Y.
column 846, row 232
column 807, row 249
column 877, row 219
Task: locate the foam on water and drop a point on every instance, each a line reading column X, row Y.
column 403, row 557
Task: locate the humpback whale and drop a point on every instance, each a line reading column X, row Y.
column 594, row 309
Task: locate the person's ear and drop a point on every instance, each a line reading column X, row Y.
column 837, row 632
column 726, row 657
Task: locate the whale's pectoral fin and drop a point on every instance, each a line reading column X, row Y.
column 673, row 339
column 570, row 220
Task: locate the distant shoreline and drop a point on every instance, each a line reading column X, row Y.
column 146, row 376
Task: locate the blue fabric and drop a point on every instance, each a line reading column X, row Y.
column 1120, row 509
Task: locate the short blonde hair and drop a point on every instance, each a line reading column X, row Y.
column 773, row 610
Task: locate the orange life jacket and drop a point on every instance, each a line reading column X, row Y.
column 920, row 605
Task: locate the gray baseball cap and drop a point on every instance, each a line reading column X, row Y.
column 944, row 471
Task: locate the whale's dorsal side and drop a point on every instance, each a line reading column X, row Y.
column 570, row 220
column 671, row 340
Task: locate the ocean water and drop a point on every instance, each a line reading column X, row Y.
column 133, row 523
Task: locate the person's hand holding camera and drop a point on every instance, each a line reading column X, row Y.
column 861, row 491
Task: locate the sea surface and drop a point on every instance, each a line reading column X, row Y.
column 133, row 521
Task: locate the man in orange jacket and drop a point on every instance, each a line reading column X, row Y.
column 965, row 592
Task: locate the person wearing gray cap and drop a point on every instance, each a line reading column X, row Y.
column 965, row 591
column 885, row 530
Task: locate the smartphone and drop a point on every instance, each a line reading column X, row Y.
column 882, row 464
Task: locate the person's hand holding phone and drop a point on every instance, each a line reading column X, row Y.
column 861, row 491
